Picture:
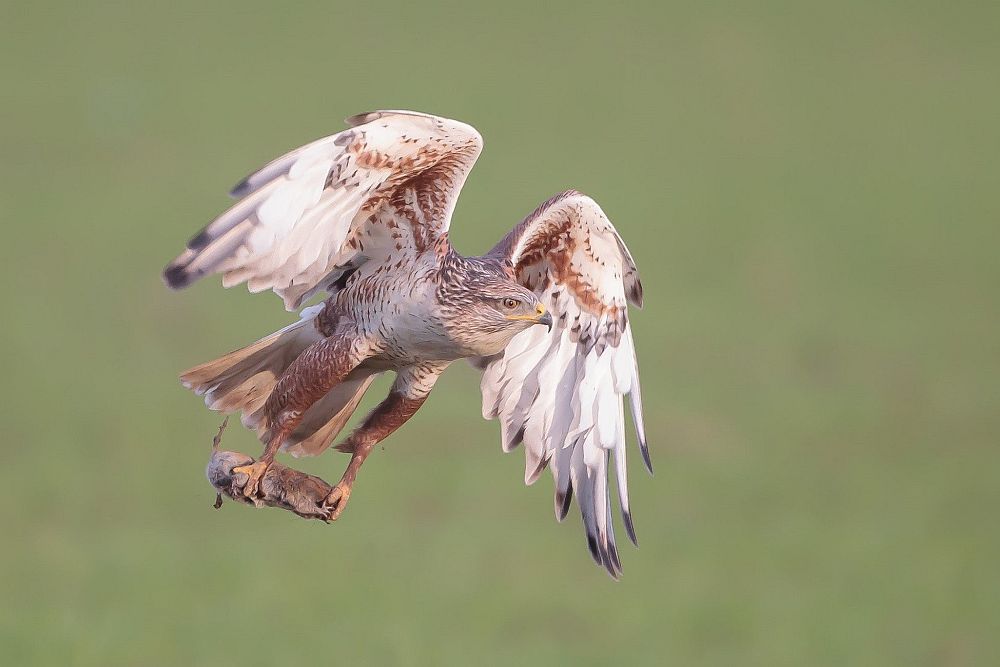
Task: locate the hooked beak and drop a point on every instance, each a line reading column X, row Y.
column 540, row 317
column 544, row 317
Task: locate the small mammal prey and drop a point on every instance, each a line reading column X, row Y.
column 280, row 486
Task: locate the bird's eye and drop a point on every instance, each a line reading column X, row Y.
column 511, row 303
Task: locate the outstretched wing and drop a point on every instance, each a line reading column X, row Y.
column 386, row 187
column 560, row 393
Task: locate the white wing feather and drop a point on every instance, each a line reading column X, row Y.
column 561, row 393
column 295, row 227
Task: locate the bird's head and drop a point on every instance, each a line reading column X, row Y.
column 490, row 308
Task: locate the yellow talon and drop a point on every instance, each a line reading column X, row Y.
column 254, row 472
column 337, row 500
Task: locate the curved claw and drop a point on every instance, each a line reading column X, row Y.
column 337, row 500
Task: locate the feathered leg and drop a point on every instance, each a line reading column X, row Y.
column 308, row 379
column 411, row 388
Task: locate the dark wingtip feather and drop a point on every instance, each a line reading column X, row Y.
column 643, row 447
column 595, row 551
column 608, row 560
column 176, row 276
column 361, row 118
column 635, row 294
column 539, row 469
column 241, row 189
column 629, row 528
column 563, row 501
column 615, row 560
column 200, row 240
column 514, row 441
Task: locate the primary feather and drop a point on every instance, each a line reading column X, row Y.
column 562, row 393
column 310, row 215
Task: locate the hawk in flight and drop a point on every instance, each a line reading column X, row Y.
column 363, row 217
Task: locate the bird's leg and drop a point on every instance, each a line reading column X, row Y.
column 411, row 388
column 318, row 369
column 389, row 415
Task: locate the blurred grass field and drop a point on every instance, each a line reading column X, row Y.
column 810, row 191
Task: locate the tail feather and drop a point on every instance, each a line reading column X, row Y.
column 241, row 381
column 244, row 378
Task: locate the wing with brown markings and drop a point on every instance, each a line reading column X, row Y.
column 561, row 393
column 385, row 188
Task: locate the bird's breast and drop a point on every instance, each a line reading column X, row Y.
column 398, row 308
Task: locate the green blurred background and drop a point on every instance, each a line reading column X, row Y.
column 810, row 190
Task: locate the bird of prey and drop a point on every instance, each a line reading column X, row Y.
column 363, row 216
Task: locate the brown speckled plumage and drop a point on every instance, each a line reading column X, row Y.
column 363, row 216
